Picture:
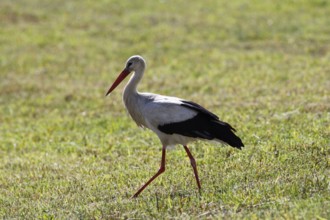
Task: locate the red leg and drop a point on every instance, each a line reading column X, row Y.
column 161, row 170
column 194, row 166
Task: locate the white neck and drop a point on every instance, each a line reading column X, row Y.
column 131, row 87
column 132, row 98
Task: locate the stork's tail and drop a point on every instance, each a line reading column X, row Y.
column 224, row 132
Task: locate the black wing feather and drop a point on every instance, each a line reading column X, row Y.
column 198, row 108
column 205, row 125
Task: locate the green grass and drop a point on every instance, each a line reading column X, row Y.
column 68, row 152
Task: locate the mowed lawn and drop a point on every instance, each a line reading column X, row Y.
column 69, row 152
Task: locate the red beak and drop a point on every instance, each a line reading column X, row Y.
column 120, row 78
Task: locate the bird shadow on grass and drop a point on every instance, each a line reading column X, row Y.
column 185, row 194
column 182, row 194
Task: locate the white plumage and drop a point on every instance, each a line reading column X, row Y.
column 174, row 120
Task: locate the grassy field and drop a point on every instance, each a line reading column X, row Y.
column 69, row 152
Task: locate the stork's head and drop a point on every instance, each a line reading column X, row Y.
column 135, row 63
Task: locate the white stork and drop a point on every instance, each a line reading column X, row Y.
column 174, row 120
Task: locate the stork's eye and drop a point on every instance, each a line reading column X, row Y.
column 129, row 64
